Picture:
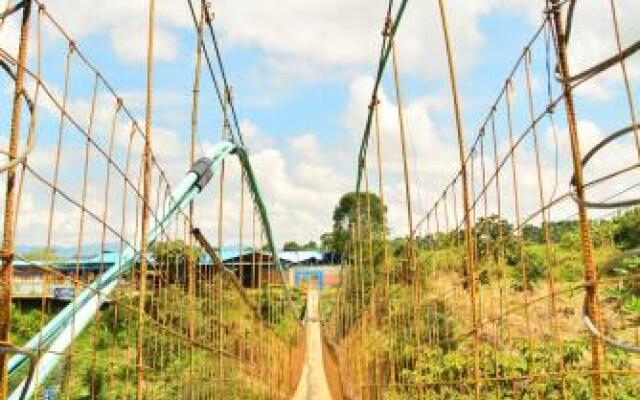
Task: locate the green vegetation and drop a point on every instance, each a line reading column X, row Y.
column 40, row 254
column 432, row 356
column 102, row 364
column 294, row 246
column 354, row 211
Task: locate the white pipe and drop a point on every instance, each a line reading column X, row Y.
column 83, row 313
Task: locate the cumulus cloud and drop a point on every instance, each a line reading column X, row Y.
column 125, row 25
column 301, row 178
column 297, row 39
column 593, row 40
column 303, row 175
column 9, row 32
column 337, row 33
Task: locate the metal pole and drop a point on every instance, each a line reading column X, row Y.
column 145, row 203
column 588, row 261
column 10, row 199
column 468, row 238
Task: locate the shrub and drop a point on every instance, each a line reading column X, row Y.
column 627, row 231
column 535, row 268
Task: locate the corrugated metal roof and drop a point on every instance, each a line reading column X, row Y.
column 228, row 253
column 106, row 259
column 296, row 257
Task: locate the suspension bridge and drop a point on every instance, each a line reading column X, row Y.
column 519, row 280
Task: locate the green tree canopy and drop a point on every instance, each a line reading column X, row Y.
column 174, row 252
column 352, row 209
column 41, row 254
column 291, row 246
column 627, row 231
column 171, row 257
column 311, row 245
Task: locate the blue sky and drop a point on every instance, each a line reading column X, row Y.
column 301, row 73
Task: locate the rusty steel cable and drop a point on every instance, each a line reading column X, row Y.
column 8, row 243
column 118, row 181
column 508, row 315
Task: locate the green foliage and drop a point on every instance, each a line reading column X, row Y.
column 294, row 246
column 291, row 246
column 494, row 237
column 535, row 265
column 439, row 323
column 95, row 379
column 627, row 230
column 362, row 211
column 558, row 228
column 272, row 304
column 25, row 323
column 311, row 245
column 439, row 353
column 102, row 362
column 517, row 362
column 175, row 254
column 627, row 266
column 569, row 240
column 602, row 232
column 41, row 254
column 533, row 234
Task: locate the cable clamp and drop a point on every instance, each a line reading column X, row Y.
column 202, row 169
column 386, row 30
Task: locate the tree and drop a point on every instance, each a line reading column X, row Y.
column 533, row 234
column 559, row 228
column 627, row 230
column 363, row 210
column 327, row 240
column 536, row 270
column 174, row 255
column 291, row 246
column 41, row 254
column 311, row 245
column 493, row 235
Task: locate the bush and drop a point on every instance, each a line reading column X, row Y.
column 535, row 268
column 26, row 323
column 627, row 231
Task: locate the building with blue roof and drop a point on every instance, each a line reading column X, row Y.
column 57, row 279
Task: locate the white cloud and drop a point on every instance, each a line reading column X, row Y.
column 317, row 40
column 9, row 32
column 124, row 22
column 303, row 175
column 593, row 40
column 430, row 146
column 301, row 178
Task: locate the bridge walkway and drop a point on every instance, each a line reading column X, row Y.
column 313, row 383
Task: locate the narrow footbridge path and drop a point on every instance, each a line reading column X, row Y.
column 313, row 380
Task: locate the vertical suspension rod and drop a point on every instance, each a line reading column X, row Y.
column 468, row 238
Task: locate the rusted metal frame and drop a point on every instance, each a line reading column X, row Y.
column 144, row 224
column 78, row 126
column 194, row 129
column 585, row 234
column 219, row 268
column 10, row 194
column 549, row 253
column 487, row 119
column 85, row 60
column 469, row 242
